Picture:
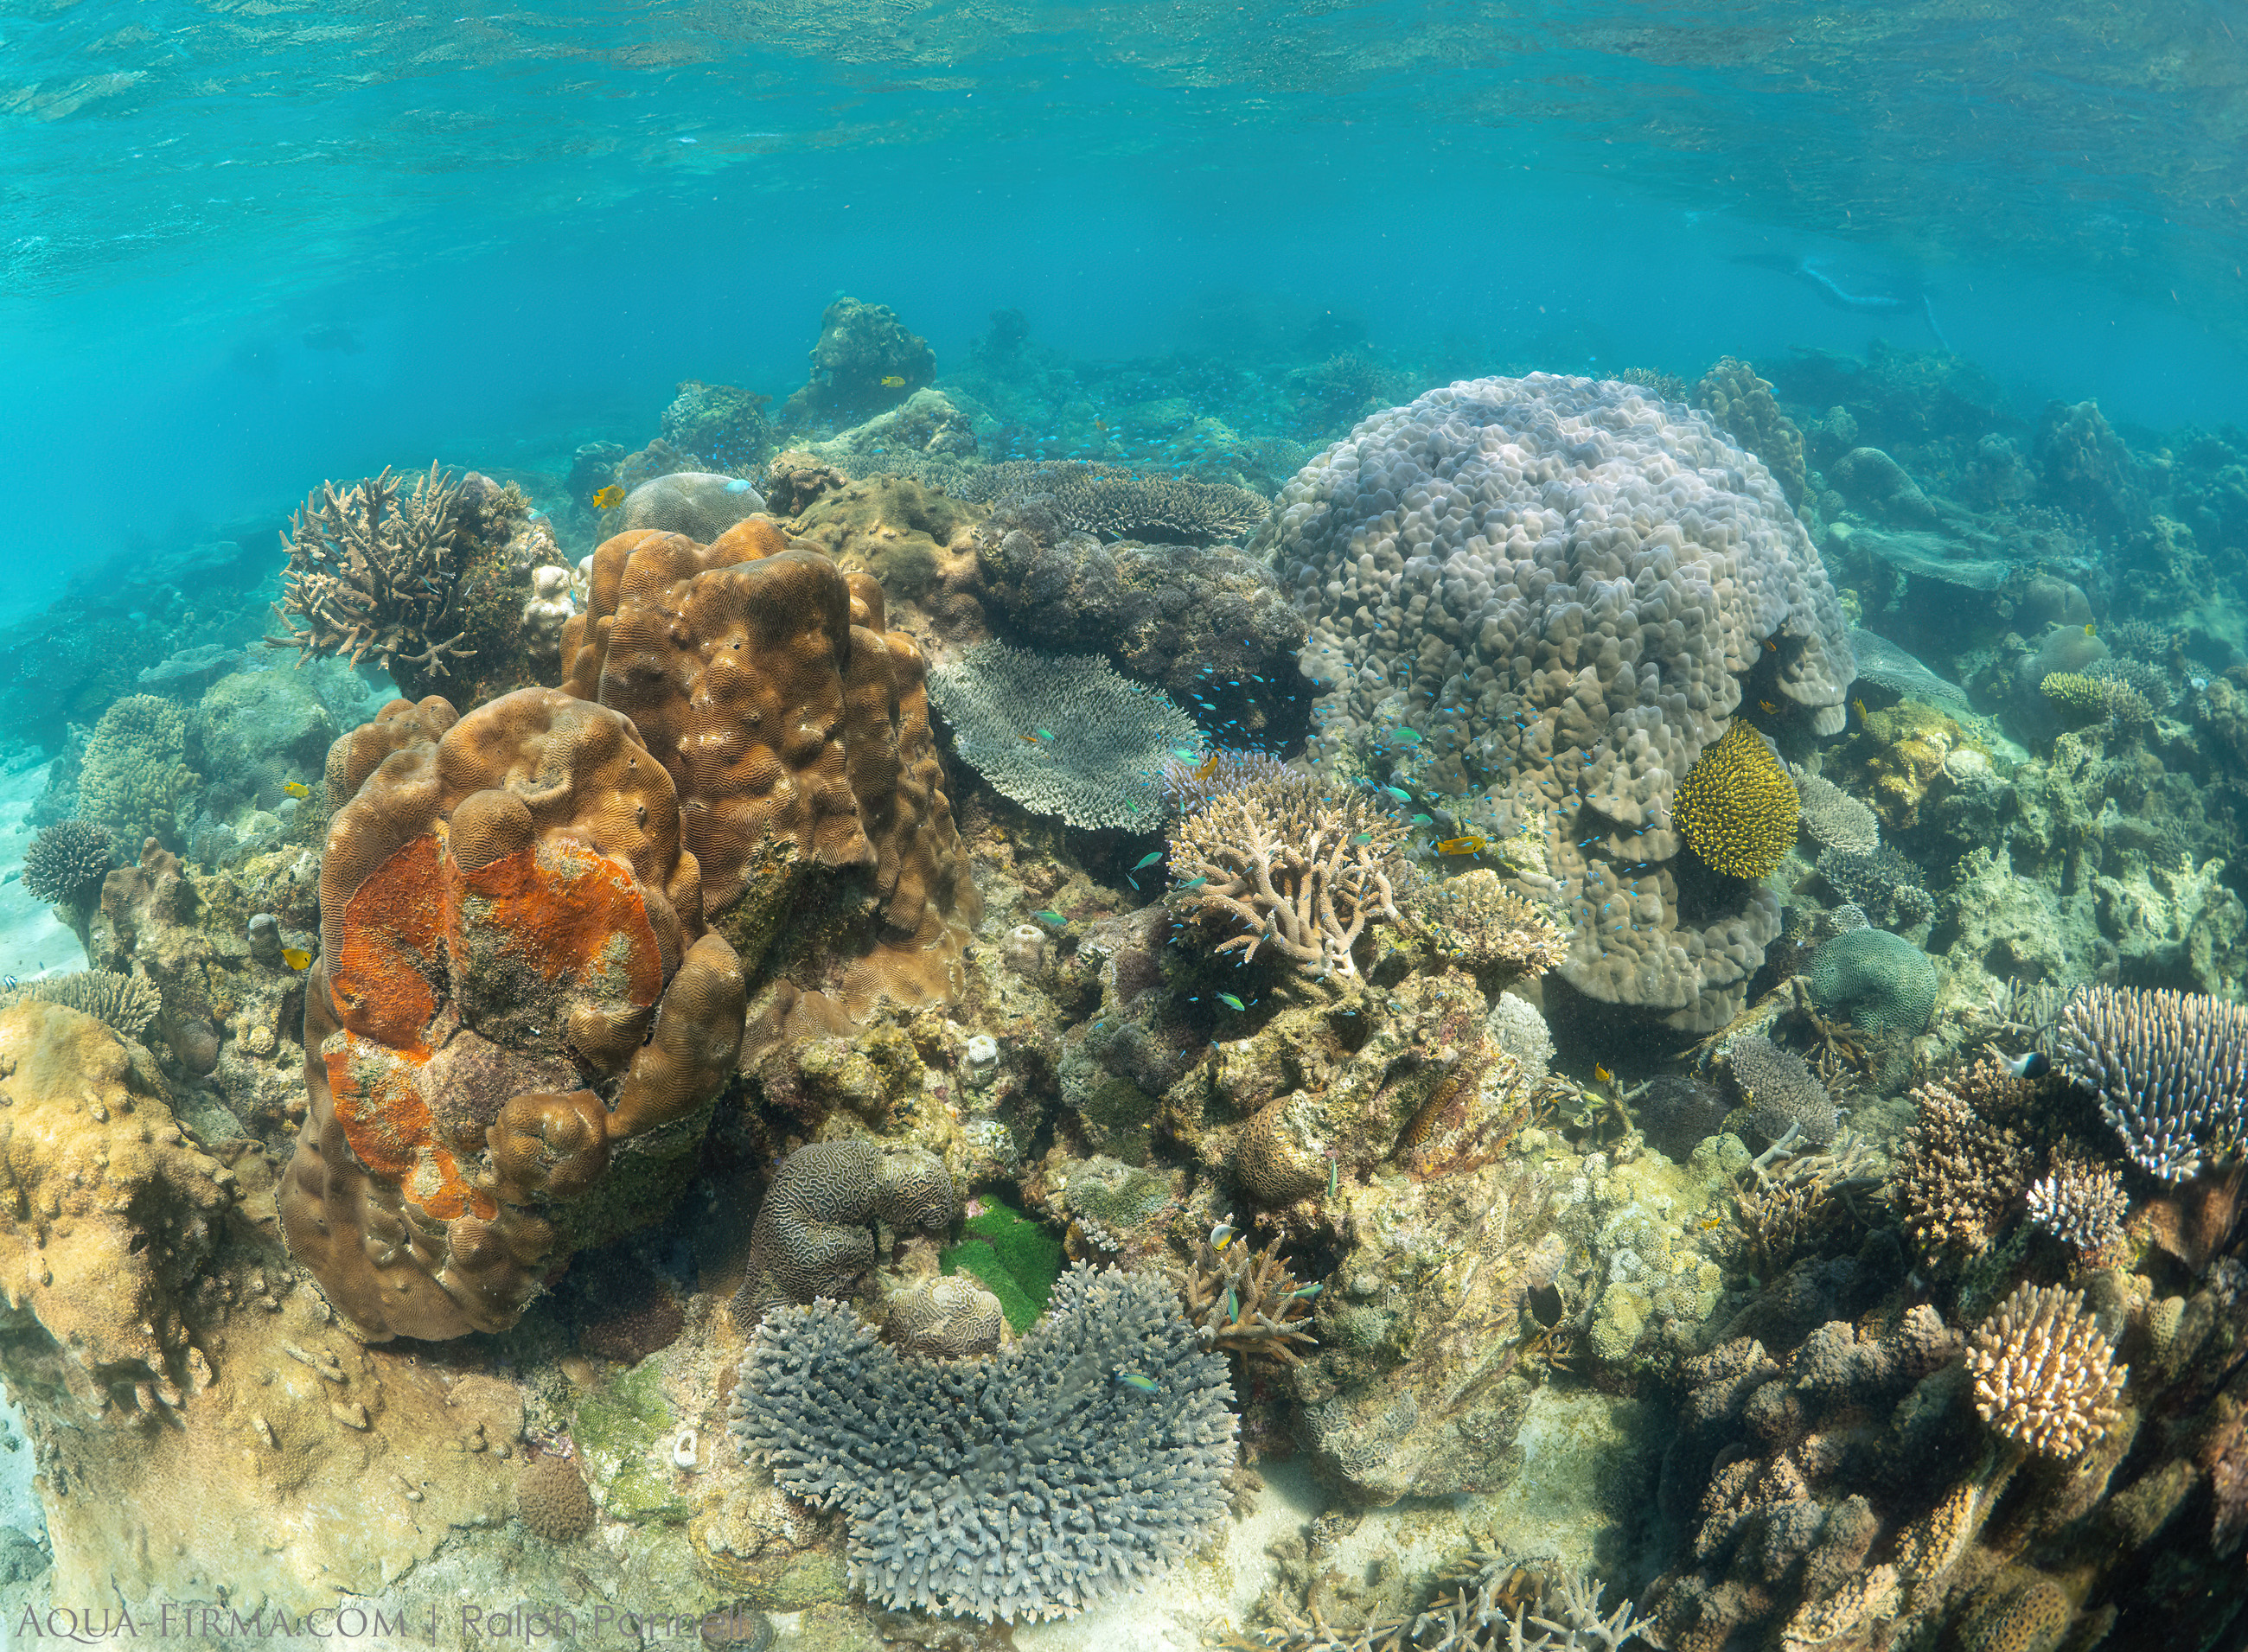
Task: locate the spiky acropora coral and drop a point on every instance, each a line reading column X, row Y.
column 375, row 571
column 2080, row 1202
column 794, row 727
column 1737, row 805
column 2170, row 1070
column 1303, row 863
column 2044, row 1373
column 1959, row 1169
column 514, row 989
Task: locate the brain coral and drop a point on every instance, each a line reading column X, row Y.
column 1737, row 806
column 1062, row 734
column 794, row 725
column 1025, row 1485
column 1878, row 980
column 1564, row 583
column 511, row 1005
column 815, row 1231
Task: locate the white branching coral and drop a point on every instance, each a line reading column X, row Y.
column 1301, row 863
column 374, row 571
column 2080, row 1202
column 2045, row 1375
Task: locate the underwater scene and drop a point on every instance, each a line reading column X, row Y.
column 1271, row 827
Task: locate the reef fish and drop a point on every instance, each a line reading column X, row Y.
column 1051, row 917
column 1460, row 846
column 2035, row 1063
column 1148, row 860
column 1208, row 767
column 609, row 497
column 1401, row 796
column 296, row 788
column 893, row 381
column 1134, row 1380
column 296, row 958
column 1230, row 1002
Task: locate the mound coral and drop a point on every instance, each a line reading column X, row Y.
column 1061, row 733
column 947, row 1318
column 376, row 572
column 794, row 727
column 2170, row 1070
column 552, row 1497
column 515, row 1017
column 133, row 777
column 814, row 1233
column 1778, row 1089
column 1293, row 861
column 1025, row 1485
column 1876, row 980
column 700, row 504
column 864, row 361
column 1737, row 806
column 2045, row 1375
column 1118, row 504
column 1747, row 410
column 1576, row 579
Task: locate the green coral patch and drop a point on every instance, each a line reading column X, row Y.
column 1015, row 1260
column 620, row 1428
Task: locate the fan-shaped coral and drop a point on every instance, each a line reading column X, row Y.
column 1028, row 1483
column 1737, row 806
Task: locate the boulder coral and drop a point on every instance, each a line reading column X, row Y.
column 515, row 1004
column 794, row 726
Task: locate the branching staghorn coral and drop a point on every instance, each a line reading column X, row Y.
column 1245, row 1301
column 2170, row 1070
column 1292, row 860
column 375, row 571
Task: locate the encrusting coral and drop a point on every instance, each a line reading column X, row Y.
column 1294, row 860
column 814, row 1233
column 2045, row 1376
column 515, row 1004
column 1028, row 1483
column 1577, row 579
column 1737, row 807
column 1118, row 504
column 2170, row 1070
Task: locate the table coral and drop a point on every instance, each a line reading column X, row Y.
column 1577, row 580
column 794, row 726
column 513, row 1005
column 1118, row 504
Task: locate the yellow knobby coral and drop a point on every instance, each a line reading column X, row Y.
column 1737, row 805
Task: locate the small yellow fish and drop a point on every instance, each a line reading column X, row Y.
column 1460, row 846
column 1101, row 426
column 2090, row 630
column 296, row 958
column 609, row 497
column 1858, row 706
column 296, row 788
column 1768, row 708
column 893, row 381
column 1602, row 1074
column 1770, row 646
column 1208, row 767
column 1714, row 1221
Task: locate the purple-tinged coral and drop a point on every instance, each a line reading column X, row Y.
column 2170, row 1070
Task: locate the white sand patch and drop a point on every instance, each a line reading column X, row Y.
column 31, row 943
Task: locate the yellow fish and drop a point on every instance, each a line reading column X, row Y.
column 609, row 497
column 296, row 788
column 1460, row 846
column 1770, row 710
column 1858, row 706
column 2089, row 630
column 1602, row 1074
column 893, row 381
column 1208, row 767
column 296, row 958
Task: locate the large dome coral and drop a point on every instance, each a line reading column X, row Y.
column 1562, row 585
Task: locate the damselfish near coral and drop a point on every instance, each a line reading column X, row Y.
column 1296, row 861
column 815, row 1231
column 1737, row 806
column 134, row 777
column 794, row 726
column 1576, row 580
column 2170, row 1070
column 516, row 1015
column 864, row 361
column 374, row 572
column 1074, row 1464
column 1244, row 1299
column 2045, row 1375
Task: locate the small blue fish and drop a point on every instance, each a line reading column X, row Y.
column 1230, row 1002
column 1424, row 819
column 1193, row 883
column 1045, row 734
column 1307, row 1291
column 1146, row 860
column 1134, row 1380
column 1402, row 797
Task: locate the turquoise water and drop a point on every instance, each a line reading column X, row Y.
column 526, row 226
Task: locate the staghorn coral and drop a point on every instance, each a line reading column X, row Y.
column 133, row 778
column 814, row 1233
column 947, row 1318
column 1025, row 1485
column 2079, row 1201
column 794, row 727
column 1737, row 807
column 1781, row 1092
column 2170, row 1070
column 2043, row 1373
column 1877, row 980
column 1578, row 577
column 1292, row 860
column 1117, row 503
column 514, row 1012
column 375, row 571
column 126, row 1003
column 1958, row 1171
column 550, row 1495
column 66, row 862
column 1745, row 408
column 1834, row 820
column 1062, row 735
column 1245, row 1300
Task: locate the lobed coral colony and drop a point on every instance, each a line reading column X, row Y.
column 902, row 1037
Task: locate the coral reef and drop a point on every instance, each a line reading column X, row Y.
column 2043, row 1373
column 2170, row 1070
column 1111, row 502
column 1784, row 1096
column 550, row 1495
column 1061, row 733
column 814, row 1234
column 1025, row 1485
column 863, row 361
column 134, row 780
column 2079, row 1202
column 1466, row 549
column 946, row 1318
column 1736, row 808
column 375, row 572
column 1745, row 408
column 66, row 862
column 514, row 1018
column 1960, row 1166
column 125, row 1004
column 1289, row 861
column 720, row 426
column 1834, row 820
column 1875, row 980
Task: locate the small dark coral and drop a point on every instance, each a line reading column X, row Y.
column 815, row 1236
column 626, row 1314
column 552, row 1497
column 66, row 862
